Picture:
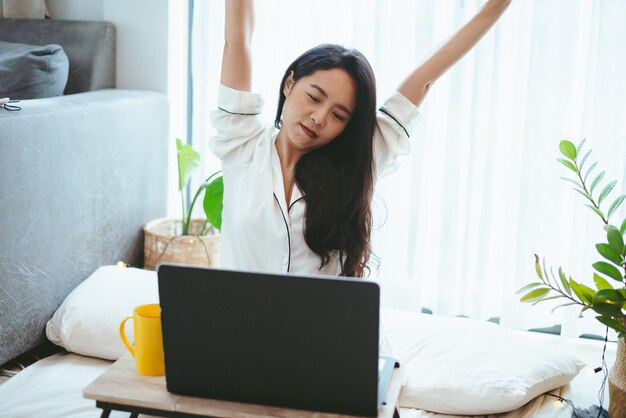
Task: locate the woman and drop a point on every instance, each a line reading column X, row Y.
column 298, row 194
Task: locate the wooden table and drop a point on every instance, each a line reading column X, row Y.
column 121, row 388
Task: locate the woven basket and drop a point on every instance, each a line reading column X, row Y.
column 163, row 243
column 617, row 382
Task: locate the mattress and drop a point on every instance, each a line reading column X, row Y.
column 52, row 387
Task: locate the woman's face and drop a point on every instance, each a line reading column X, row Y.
column 317, row 108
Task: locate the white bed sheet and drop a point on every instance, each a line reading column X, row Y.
column 53, row 387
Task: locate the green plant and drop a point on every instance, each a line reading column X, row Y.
column 608, row 300
column 213, row 188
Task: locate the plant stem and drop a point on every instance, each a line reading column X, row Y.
column 185, row 221
column 563, row 294
column 193, row 202
column 606, row 222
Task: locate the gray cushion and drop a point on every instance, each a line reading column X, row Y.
column 89, row 45
column 32, row 71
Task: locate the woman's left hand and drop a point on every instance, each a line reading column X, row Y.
column 416, row 86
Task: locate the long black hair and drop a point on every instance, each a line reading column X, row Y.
column 337, row 179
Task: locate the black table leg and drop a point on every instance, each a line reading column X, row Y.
column 105, row 413
column 134, row 415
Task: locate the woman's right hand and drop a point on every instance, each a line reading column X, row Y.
column 237, row 57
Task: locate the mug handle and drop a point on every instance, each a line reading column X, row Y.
column 123, row 335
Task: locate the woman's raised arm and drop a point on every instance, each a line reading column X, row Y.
column 416, row 86
column 238, row 29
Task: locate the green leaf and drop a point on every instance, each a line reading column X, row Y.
column 584, row 293
column 568, row 164
column 564, row 282
column 595, row 182
column 616, row 241
column 588, row 292
column 607, row 189
column 576, row 289
column 213, row 202
column 596, row 210
column 589, row 170
column 568, row 149
column 607, row 309
column 580, row 315
column 188, row 161
column 583, row 160
column 609, row 296
column 554, row 278
column 534, row 295
column 580, row 145
column 528, row 287
column 615, row 205
column 608, row 269
column 563, row 305
column 587, row 196
column 548, row 298
column 571, row 181
column 622, row 228
column 538, row 267
column 609, row 253
column 601, row 282
column 612, row 323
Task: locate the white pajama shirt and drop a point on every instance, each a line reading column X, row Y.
column 259, row 232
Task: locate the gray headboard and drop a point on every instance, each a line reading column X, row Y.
column 90, row 47
column 80, row 175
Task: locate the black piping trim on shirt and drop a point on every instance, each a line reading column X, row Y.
column 389, row 114
column 294, row 202
column 243, row 114
column 288, row 233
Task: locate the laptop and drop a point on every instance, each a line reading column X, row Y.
column 304, row 342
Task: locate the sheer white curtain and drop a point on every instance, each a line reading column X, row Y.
column 457, row 225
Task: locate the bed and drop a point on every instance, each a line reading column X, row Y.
column 452, row 364
column 53, row 387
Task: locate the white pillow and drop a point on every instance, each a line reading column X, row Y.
column 88, row 320
column 469, row 367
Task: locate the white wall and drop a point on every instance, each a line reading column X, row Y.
column 151, row 54
column 142, row 36
column 76, row 10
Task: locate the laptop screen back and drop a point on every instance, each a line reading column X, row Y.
column 289, row 341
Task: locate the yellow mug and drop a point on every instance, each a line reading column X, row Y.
column 148, row 348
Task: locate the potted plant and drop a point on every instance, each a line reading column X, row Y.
column 188, row 240
column 608, row 299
